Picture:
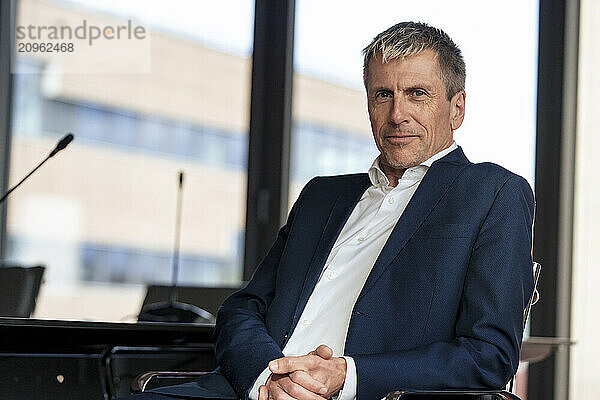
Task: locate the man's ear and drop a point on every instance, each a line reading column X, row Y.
column 457, row 110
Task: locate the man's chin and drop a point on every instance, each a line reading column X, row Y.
column 403, row 161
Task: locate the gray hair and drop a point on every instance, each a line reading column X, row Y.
column 410, row 38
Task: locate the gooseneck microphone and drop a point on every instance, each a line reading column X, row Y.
column 177, row 246
column 173, row 310
column 64, row 142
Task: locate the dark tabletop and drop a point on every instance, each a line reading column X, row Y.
column 42, row 335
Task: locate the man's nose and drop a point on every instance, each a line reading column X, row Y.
column 399, row 112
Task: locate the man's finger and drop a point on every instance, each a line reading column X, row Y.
column 297, row 391
column 286, row 365
column 324, row 351
column 263, row 393
column 308, row 382
column 277, row 392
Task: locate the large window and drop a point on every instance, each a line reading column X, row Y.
column 499, row 43
column 101, row 215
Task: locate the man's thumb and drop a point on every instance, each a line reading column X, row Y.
column 324, row 351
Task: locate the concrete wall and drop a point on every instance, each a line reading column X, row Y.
column 585, row 328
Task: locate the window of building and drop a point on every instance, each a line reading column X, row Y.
column 101, row 214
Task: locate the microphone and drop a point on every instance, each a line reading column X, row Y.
column 173, row 310
column 64, row 142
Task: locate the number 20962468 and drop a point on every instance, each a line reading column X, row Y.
column 45, row 47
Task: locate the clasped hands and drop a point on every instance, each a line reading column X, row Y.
column 315, row 376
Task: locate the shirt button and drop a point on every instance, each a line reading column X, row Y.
column 360, row 239
column 391, row 200
column 305, row 322
column 331, row 275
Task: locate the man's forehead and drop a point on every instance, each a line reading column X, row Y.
column 422, row 66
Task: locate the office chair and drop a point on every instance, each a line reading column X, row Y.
column 19, row 288
column 154, row 379
column 207, row 298
column 122, row 365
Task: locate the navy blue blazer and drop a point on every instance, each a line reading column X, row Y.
column 443, row 304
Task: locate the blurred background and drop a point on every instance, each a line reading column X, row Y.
column 101, row 217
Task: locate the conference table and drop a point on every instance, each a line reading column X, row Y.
column 64, row 359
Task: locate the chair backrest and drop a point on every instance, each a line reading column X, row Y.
column 19, row 287
column 207, row 298
column 535, row 296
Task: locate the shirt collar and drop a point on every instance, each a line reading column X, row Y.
column 378, row 177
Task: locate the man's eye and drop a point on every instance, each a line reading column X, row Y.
column 382, row 95
column 419, row 93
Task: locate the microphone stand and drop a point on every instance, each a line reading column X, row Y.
column 64, row 142
column 174, row 310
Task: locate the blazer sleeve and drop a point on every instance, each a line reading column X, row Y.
column 243, row 346
column 489, row 326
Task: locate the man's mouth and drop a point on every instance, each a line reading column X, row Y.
column 401, row 138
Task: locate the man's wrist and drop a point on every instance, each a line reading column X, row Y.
column 342, row 367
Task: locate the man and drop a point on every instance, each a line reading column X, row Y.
column 414, row 275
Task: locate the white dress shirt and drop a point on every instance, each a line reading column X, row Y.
column 327, row 313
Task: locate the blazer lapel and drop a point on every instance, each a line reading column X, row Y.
column 435, row 183
column 340, row 212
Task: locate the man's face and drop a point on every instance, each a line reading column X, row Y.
column 410, row 116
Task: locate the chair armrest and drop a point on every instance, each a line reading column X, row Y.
column 452, row 395
column 154, row 379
